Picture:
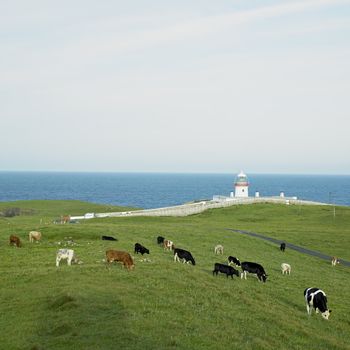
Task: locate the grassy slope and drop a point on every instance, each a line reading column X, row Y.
column 167, row 305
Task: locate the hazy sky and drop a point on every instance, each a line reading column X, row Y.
column 175, row 86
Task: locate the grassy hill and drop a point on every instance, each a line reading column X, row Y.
column 167, row 305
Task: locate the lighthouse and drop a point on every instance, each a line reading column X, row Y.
column 241, row 185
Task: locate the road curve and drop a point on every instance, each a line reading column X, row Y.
column 291, row 246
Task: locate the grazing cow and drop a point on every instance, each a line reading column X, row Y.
column 65, row 219
column 254, row 268
column 14, row 240
column 160, row 239
column 183, row 254
column 228, row 270
column 233, row 260
column 286, row 268
column 119, row 256
column 34, row 236
column 168, row 245
column 283, row 247
column 219, row 249
column 140, row 249
column 108, row 238
column 317, row 298
column 65, row 254
column 335, row 261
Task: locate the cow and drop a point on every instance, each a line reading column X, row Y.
column 140, row 249
column 283, row 247
column 316, row 298
column 286, row 268
column 108, row 238
column 183, row 254
column 228, row 270
column 14, row 240
column 219, row 249
column 160, row 240
column 120, row 256
column 65, row 219
column 65, row 254
column 254, row 268
column 34, row 236
column 233, row 260
column 168, row 245
column 335, row 261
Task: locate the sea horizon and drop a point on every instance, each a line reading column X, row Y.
column 156, row 190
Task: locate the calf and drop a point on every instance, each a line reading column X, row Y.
column 140, row 249
column 283, row 247
column 160, row 239
column 286, row 268
column 335, row 261
column 14, row 240
column 119, row 256
column 108, row 238
column 228, row 270
column 317, row 298
column 34, row 236
column 254, row 268
column 233, row 260
column 168, row 245
column 219, row 249
column 65, row 254
column 183, row 254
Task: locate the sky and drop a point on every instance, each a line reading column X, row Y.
column 175, row 86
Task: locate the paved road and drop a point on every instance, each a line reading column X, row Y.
column 291, row 246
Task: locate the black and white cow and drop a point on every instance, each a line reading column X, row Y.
column 254, row 268
column 283, row 247
column 233, row 260
column 316, row 298
column 160, row 239
column 228, row 270
column 108, row 238
column 183, row 254
column 140, row 249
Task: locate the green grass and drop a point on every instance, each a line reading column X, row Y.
column 167, row 305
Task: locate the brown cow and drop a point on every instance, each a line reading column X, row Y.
column 14, row 240
column 168, row 245
column 119, row 256
column 34, row 236
column 65, row 219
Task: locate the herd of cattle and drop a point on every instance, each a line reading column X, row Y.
column 314, row 297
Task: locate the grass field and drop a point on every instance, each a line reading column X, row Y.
column 167, row 305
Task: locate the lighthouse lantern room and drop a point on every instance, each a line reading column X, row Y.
column 241, row 185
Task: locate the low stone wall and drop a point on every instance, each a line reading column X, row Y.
column 196, row 208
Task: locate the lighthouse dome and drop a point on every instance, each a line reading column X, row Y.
column 241, row 179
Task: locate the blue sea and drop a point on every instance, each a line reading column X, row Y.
column 154, row 190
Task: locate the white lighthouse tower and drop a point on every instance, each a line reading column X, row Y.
column 241, row 185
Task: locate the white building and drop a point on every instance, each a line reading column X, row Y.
column 241, row 185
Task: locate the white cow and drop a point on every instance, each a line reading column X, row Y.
column 34, row 236
column 65, row 254
column 219, row 249
column 286, row 268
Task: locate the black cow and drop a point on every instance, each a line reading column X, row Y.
column 109, row 238
column 228, row 270
column 283, row 247
column 233, row 260
column 160, row 239
column 254, row 268
column 140, row 249
column 317, row 298
column 183, row 254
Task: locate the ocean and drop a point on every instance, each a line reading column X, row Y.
column 155, row 190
